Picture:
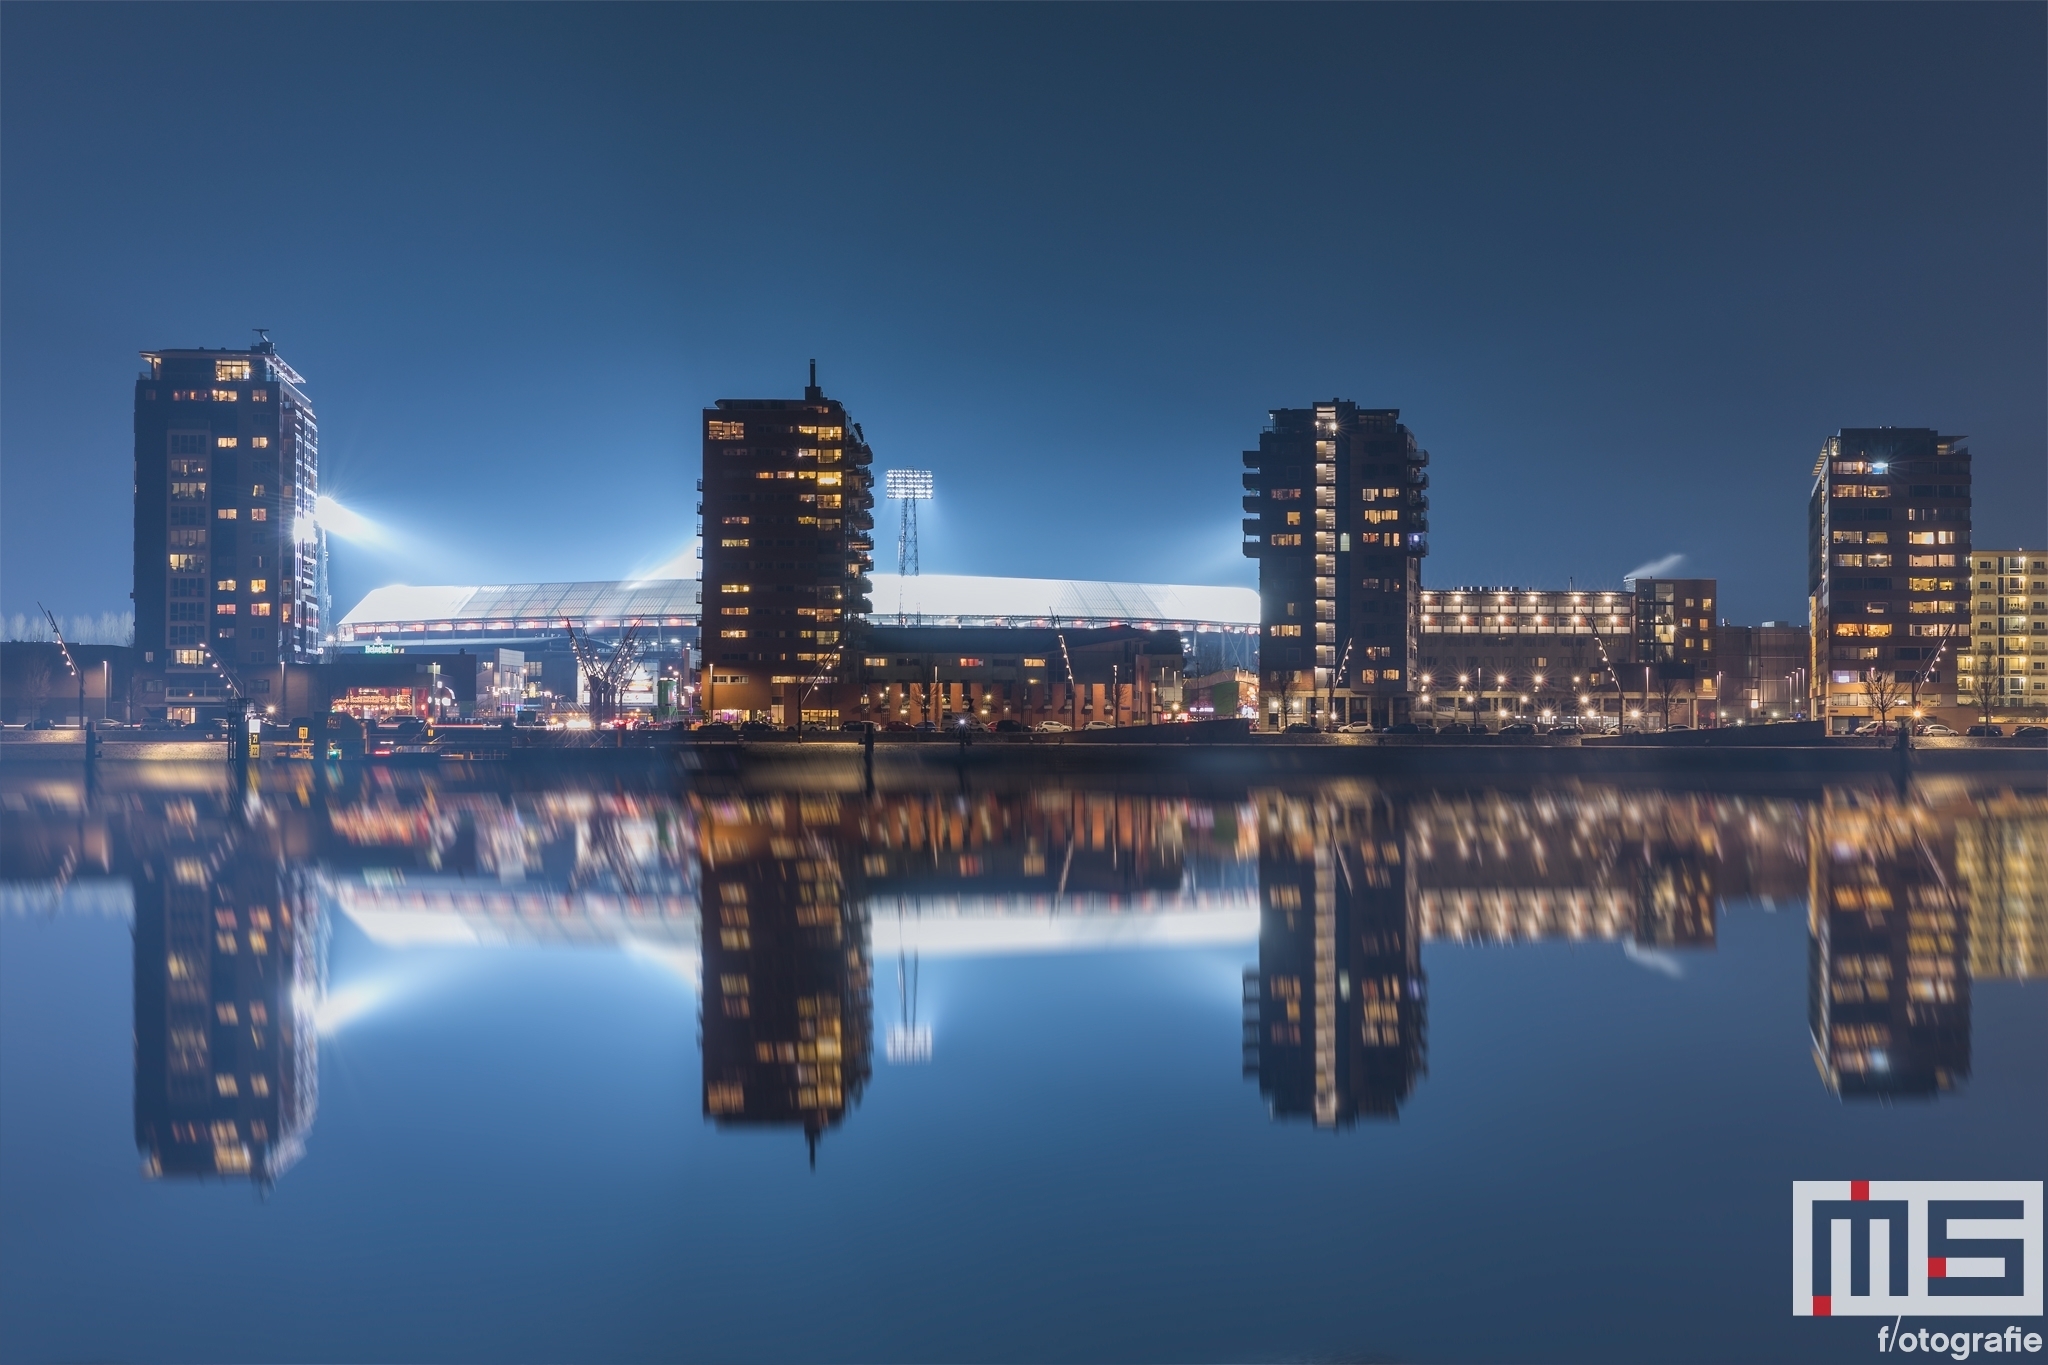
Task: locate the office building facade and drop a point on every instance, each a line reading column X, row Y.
column 1888, row 563
column 1338, row 518
column 788, row 536
column 1763, row 675
column 2003, row 669
column 1496, row 654
column 229, row 570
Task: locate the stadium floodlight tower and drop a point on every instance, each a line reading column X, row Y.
column 910, row 487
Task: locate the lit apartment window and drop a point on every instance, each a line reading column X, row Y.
column 225, row 396
column 740, row 544
column 732, row 635
column 260, row 442
column 188, row 563
column 224, row 585
column 726, row 431
column 735, row 587
column 191, row 656
column 224, row 609
column 259, row 608
column 1034, row 663
column 228, row 371
column 1285, row 540
column 227, row 513
column 737, row 521
column 227, row 442
column 259, row 514
column 259, row 395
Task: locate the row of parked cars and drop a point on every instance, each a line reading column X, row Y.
column 761, row 729
column 1416, row 727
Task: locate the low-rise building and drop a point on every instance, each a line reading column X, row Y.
column 942, row 674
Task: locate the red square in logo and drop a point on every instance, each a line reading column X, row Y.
column 1859, row 1189
column 1820, row 1306
column 1937, row 1267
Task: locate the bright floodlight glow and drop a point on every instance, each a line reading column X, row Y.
column 908, row 483
column 908, row 1044
column 340, row 521
column 330, row 1012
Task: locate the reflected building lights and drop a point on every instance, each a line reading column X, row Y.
column 762, row 903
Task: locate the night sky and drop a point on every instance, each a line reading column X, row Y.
column 1621, row 268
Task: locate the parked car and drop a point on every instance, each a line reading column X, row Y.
column 1669, row 728
column 1299, row 727
column 2031, row 732
column 1357, row 727
column 1054, row 727
column 1985, row 731
column 1455, row 727
column 966, row 723
column 42, row 725
column 925, row 727
column 758, row 729
column 715, row 729
column 1934, row 727
column 1098, row 725
column 1011, row 726
column 1565, row 731
column 856, row 727
column 1406, row 727
column 1520, row 727
column 899, row 727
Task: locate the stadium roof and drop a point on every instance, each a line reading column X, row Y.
column 926, row 599
column 403, row 609
column 944, row 599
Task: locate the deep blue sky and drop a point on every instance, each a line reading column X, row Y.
column 1621, row 268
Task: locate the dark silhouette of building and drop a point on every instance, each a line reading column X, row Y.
column 1335, row 1010
column 1114, row 674
column 787, row 1003
column 228, row 562
column 1888, row 565
column 228, row 956
column 788, row 531
column 1675, row 648
column 1888, row 999
column 1338, row 521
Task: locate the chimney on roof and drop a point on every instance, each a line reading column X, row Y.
column 812, row 393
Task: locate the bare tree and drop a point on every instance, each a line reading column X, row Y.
column 1983, row 686
column 36, row 686
column 1885, row 691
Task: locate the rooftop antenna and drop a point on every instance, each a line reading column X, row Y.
column 812, row 393
column 910, row 487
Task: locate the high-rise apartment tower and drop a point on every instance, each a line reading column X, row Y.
column 1338, row 519
column 1888, row 571
column 788, row 530
column 228, row 563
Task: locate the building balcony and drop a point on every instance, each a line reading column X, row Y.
column 1253, row 526
column 1252, row 502
column 1253, row 549
column 1417, row 477
column 1252, row 459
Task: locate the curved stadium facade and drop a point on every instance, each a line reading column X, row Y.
column 401, row 614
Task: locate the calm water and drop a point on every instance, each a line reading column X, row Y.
column 446, row 1068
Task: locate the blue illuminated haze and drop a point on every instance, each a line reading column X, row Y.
column 1621, row 268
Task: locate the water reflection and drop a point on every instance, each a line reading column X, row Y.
column 787, row 1006
column 229, row 957
column 774, row 906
